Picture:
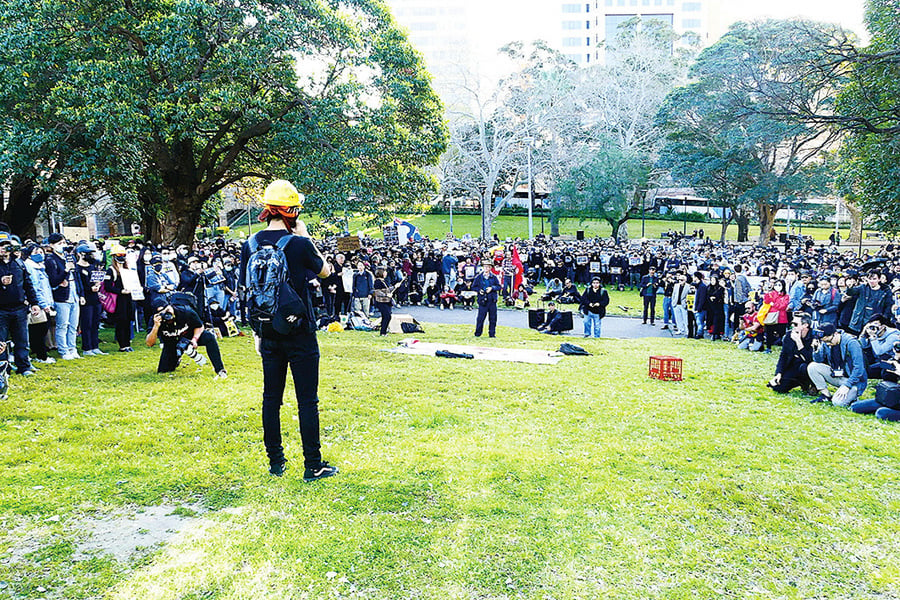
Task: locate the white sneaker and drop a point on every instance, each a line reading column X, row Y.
column 99, row 352
column 67, row 357
column 222, row 374
column 76, row 355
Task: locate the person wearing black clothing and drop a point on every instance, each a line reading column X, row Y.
column 300, row 350
column 700, row 299
column 383, row 298
column 487, row 286
column 553, row 323
column 796, row 354
column 715, row 303
column 594, row 301
column 180, row 331
column 16, row 296
column 649, row 285
column 90, row 277
column 124, row 313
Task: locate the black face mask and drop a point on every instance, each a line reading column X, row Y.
column 157, row 268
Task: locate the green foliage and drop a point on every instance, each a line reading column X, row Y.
column 604, row 186
column 868, row 106
column 728, row 135
column 179, row 99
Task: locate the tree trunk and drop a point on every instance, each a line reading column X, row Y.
column 25, row 203
column 555, row 209
column 615, row 228
column 743, row 224
column 766, row 222
column 856, row 224
column 724, row 227
column 487, row 218
column 178, row 224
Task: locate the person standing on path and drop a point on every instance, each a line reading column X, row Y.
column 487, row 286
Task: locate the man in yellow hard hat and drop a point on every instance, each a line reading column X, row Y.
column 276, row 265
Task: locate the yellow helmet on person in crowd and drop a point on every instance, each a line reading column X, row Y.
column 282, row 193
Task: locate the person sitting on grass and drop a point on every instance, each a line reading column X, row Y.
column 752, row 333
column 877, row 340
column 554, row 289
column 520, row 297
column 796, row 354
column 466, row 294
column 553, row 323
column 569, row 294
column 448, row 298
column 838, row 361
column 890, row 410
column 181, row 331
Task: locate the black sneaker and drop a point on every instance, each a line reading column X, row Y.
column 278, row 469
column 321, row 472
column 820, row 398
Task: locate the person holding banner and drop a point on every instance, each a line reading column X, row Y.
column 91, row 276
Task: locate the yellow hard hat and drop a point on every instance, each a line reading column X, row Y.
column 282, row 193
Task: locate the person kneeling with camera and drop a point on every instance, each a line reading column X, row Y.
column 180, row 331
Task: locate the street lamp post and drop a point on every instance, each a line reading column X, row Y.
column 529, row 141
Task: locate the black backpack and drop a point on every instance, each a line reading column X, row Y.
column 273, row 305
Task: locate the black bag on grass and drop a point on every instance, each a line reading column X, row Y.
column 573, row 350
column 887, row 393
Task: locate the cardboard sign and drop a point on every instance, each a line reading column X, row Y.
column 348, row 244
column 594, row 267
column 98, row 276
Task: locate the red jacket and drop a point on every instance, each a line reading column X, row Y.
column 779, row 302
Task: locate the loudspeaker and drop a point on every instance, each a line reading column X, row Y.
column 535, row 317
column 579, row 235
column 887, row 394
column 567, row 324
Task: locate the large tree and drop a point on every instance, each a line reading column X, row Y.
column 759, row 153
column 616, row 105
column 191, row 96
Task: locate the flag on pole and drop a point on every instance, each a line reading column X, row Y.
column 519, row 269
column 406, row 232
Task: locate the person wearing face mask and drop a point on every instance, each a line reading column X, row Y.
column 16, row 296
column 91, row 277
column 181, row 331
column 158, row 283
column 67, row 295
column 230, row 286
column 124, row 312
column 39, row 324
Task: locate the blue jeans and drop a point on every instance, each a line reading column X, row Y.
column 700, row 318
column 14, row 326
column 667, row 310
column 66, row 327
column 591, row 321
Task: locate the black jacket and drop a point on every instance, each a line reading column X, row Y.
column 594, row 302
column 20, row 292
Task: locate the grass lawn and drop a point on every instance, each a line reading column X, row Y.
column 459, row 479
column 437, row 226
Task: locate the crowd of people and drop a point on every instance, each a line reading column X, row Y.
column 801, row 299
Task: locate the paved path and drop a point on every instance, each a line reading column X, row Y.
column 612, row 327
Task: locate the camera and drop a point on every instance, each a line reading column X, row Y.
column 818, row 334
column 896, row 347
column 167, row 316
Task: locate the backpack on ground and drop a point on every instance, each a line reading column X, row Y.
column 359, row 322
column 273, row 305
column 573, row 350
column 887, row 393
column 411, row 327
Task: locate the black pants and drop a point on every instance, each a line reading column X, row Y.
column 89, row 321
column 301, row 353
column 737, row 311
column 794, row 376
column 650, row 305
column 490, row 311
column 691, row 324
column 171, row 356
column 37, row 336
column 385, row 309
column 123, row 333
column 774, row 333
column 14, row 326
